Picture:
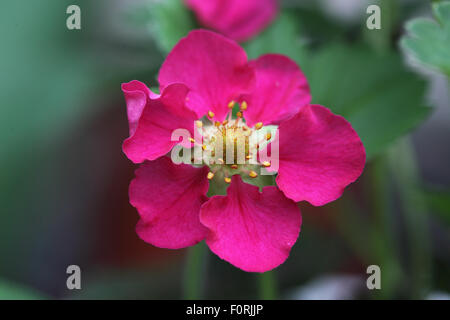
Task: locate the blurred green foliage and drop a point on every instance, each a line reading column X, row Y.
column 50, row 84
column 169, row 21
column 45, row 82
column 290, row 44
column 428, row 40
column 370, row 90
column 45, row 73
column 380, row 98
column 12, row 291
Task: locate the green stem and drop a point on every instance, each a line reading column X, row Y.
column 267, row 286
column 383, row 235
column 407, row 178
column 194, row 273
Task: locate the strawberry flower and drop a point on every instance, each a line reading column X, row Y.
column 236, row 19
column 203, row 77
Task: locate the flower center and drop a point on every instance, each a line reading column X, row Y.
column 231, row 147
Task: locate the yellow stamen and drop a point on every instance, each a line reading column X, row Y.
column 210, row 175
column 259, row 125
column 239, row 114
column 252, row 174
column 248, row 157
column 211, row 114
column 225, row 122
column 191, row 140
column 227, row 180
column 217, row 124
column 204, row 147
column 266, row 164
column 268, row 136
column 244, row 105
column 231, row 104
column 234, row 166
column 199, row 124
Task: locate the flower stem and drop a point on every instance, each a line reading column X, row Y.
column 194, row 274
column 405, row 171
column 267, row 286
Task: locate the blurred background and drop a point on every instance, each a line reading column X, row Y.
column 64, row 179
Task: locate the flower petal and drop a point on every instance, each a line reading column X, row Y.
column 168, row 198
column 281, row 90
column 253, row 231
column 236, row 19
column 152, row 119
column 320, row 154
column 213, row 67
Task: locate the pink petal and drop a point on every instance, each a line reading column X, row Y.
column 253, row 231
column 152, row 119
column 213, row 67
column 320, row 154
column 236, row 19
column 168, row 198
column 136, row 94
column 281, row 90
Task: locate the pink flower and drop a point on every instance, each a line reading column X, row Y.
column 319, row 152
column 236, row 19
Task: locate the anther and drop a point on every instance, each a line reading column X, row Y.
column 234, row 166
column 266, row 164
column 211, row 114
column 259, row 125
column 225, row 122
column 252, row 174
column 268, row 136
column 204, row 147
column 227, row 180
column 231, row 104
column 210, row 175
column 239, row 114
column 244, row 105
column 217, row 124
column 199, row 124
column 248, row 157
column 191, row 140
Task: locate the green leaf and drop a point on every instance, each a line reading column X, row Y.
column 380, row 98
column 281, row 37
column 428, row 40
column 170, row 21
